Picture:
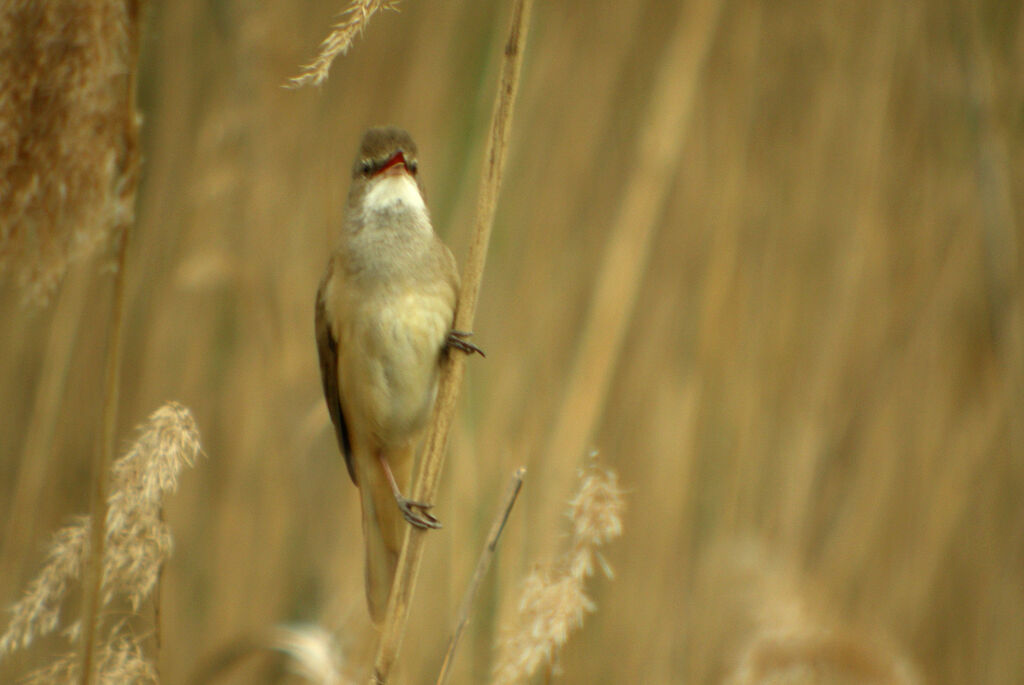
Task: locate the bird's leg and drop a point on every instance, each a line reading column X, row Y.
column 423, row 519
column 457, row 340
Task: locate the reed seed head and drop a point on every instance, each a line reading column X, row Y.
column 351, row 23
column 138, row 540
column 554, row 600
column 67, row 136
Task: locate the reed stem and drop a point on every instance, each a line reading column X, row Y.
column 104, row 456
column 482, row 565
column 452, row 370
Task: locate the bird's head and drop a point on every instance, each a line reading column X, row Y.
column 386, row 169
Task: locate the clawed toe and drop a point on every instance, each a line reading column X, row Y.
column 457, row 340
column 420, row 519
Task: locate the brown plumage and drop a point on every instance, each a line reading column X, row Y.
column 384, row 314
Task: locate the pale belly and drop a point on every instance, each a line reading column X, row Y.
column 389, row 364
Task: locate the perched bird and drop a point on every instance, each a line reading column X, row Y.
column 384, row 314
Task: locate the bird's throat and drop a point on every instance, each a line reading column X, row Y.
column 393, row 193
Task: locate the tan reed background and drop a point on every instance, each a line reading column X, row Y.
column 803, row 355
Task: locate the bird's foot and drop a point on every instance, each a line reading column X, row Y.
column 421, row 518
column 457, row 340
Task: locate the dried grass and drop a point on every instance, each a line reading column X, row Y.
column 67, row 140
column 138, row 540
column 553, row 601
column 352, row 22
column 823, row 352
column 121, row 660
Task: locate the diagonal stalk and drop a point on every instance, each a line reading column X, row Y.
column 453, row 369
column 482, row 565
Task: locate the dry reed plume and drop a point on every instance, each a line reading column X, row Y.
column 553, row 600
column 137, row 545
column 352, row 22
column 822, row 348
column 121, row 660
column 67, row 140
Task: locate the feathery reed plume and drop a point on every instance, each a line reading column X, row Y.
column 554, row 600
column 138, row 540
column 120, row 661
column 313, row 653
column 350, row 24
column 67, row 138
column 429, row 476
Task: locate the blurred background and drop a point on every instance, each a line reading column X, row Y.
column 763, row 256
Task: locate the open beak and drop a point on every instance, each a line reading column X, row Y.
column 395, row 165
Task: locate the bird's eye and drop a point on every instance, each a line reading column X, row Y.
column 366, row 167
column 412, row 166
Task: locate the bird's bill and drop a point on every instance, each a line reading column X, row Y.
column 395, row 165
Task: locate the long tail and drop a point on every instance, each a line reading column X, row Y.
column 383, row 525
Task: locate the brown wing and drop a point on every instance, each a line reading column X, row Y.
column 327, row 346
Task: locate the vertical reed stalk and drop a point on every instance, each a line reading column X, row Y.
column 103, row 457
column 425, row 488
column 158, row 638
